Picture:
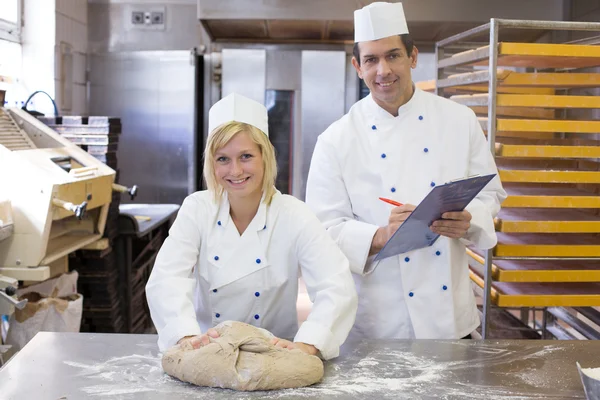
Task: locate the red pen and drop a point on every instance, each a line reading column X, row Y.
column 392, row 202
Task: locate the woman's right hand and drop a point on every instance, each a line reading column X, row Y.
column 198, row 341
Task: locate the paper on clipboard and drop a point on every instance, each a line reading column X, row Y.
column 414, row 233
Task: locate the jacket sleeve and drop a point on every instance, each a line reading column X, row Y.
column 330, row 287
column 485, row 207
column 327, row 197
column 171, row 285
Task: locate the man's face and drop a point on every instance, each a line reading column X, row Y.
column 385, row 68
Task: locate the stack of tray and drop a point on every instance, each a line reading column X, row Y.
column 98, row 135
column 545, row 142
column 99, row 278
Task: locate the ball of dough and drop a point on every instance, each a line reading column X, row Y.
column 242, row 358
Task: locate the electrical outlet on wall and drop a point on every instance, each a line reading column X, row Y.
column 157, row 18
column 146, row 17
column 137, row 17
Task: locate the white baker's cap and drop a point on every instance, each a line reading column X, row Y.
column 238, row 108
column 379, row 20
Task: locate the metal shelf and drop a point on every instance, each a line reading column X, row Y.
column 545, row 257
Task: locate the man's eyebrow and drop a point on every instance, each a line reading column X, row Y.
column 387, row 52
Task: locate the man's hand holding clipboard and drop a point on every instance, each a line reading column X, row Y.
column 441, row 213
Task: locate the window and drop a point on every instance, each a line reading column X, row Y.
column 10, row 20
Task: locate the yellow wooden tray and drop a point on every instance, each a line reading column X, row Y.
column 542, row 176
column 518, row 82
column 529, row 100
column 548, row 245
column 537, row 151
column 540, row 271
column 549, row 197
column 535, row 55
column 509, row 294
column 516, row 112
column 520, row 220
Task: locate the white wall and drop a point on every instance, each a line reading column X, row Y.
column 71, row 32
column 44, row 66
column 38, row 41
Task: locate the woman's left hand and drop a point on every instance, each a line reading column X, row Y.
column 307, row 348
column 286, row 344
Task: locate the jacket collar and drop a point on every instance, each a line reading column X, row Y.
column 258, row 222
column 379, row 113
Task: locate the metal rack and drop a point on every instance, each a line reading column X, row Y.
column 547, row 159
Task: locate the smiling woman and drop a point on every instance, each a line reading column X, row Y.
column 235, row 251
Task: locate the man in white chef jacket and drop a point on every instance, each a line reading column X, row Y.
column 400, row 142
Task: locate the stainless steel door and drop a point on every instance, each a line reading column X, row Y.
column 153, row 92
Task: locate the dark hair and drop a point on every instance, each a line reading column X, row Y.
column 406, row 41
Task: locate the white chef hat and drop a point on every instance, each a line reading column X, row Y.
column 379, row 20
column 238, row 108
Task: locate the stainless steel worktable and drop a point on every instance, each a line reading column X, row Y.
column 86, row 366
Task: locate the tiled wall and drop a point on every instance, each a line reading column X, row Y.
column 70, row 70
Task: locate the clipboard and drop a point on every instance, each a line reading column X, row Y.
column 414, row 233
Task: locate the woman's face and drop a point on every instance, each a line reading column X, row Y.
column 239, row 167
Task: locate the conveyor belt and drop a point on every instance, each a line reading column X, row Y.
column 508, row 294
column 535, row 55
column 11, row 136
column 541, row 270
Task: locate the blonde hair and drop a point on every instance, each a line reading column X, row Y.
column 219, row 137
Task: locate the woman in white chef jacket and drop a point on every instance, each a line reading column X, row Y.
column 235, row 250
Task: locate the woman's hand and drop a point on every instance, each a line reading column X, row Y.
column 198, row 341
column 286, row 344
column 307, row 348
